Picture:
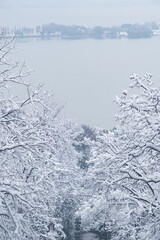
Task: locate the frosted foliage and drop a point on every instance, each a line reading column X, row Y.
column 140, row 152
column 123, row 179
column 35, row 148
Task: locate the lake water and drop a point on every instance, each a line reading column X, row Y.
column 87, row 74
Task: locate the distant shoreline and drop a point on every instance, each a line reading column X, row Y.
column 55, row 31
column 70, row 38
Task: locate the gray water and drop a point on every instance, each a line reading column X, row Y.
column 87, row 74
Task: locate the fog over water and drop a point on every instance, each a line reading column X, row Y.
column 87, row 74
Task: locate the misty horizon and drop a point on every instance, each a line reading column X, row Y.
column 77, row 3
column 87, row 13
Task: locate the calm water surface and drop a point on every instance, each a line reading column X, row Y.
column 87, row 74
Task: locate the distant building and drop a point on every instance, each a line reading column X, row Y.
column 156, row 32
column 122, row 34
column 90, row 236
column 96, row 236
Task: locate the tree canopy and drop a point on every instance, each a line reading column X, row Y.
column 58, row 178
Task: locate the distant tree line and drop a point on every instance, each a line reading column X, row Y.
column 53, row 30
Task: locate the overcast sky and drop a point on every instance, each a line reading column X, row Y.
column 80, row 12
column 74, row 3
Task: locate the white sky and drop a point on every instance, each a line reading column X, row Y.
column 75, row 3
column 79, row 12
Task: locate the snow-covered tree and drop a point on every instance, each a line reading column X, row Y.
column 123, row 179
column 102, row 198
column 38, row 160
column 139, row 153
